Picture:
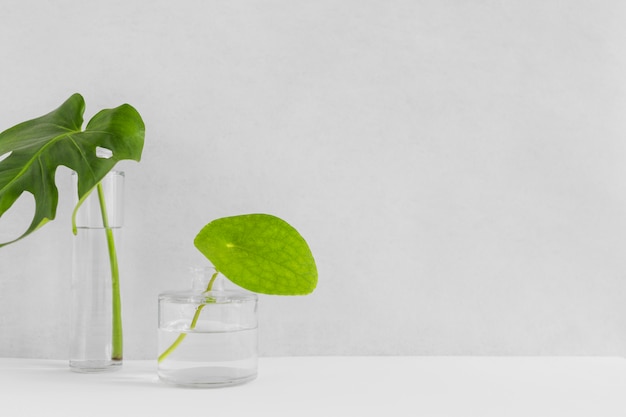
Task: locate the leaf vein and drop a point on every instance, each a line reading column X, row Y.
column 30, row 162
column 82, row 154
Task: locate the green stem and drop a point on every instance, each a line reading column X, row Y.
column 117, row 352
column 192, row 326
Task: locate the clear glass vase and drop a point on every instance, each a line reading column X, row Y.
column 208, row 335
column 96, row 326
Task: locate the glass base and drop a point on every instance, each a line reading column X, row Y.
column 206, row 377
column 95, row 366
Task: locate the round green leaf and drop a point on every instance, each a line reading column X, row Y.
column 260, row 253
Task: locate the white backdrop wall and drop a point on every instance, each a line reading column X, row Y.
column 457, row 167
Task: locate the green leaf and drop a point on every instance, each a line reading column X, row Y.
column 40, row 145
column 260, row 253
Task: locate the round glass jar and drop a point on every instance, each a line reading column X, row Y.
column 207, row 335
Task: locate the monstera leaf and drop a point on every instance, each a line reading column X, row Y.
column 37, row 147
column 260, row 253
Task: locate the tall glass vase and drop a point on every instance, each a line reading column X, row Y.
column 96, row 325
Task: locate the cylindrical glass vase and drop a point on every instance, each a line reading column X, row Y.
column 96, row 324
column 207, row 336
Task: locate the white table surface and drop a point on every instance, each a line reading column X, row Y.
column 330, row 386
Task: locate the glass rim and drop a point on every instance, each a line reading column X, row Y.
column 208, row 297
column 117, row 172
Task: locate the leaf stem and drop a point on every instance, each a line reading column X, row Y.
column 192, row 326
column 117, row 338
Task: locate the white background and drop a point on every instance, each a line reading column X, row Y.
column 457, row 167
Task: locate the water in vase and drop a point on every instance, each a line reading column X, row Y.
column 211, row 354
